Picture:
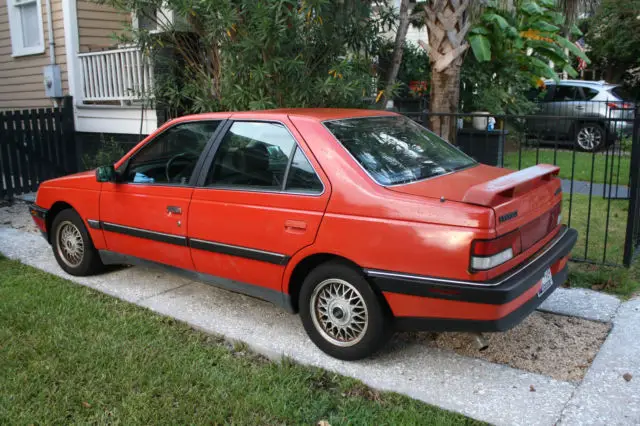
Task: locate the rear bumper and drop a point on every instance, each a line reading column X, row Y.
column 426, row 303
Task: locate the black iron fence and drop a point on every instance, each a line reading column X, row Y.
column 35, row 145
column 599, row 159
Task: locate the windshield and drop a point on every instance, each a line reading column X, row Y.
column 396, row 150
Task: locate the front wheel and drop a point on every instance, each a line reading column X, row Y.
column 341, row 313
column 590, row 137
column 72, row 245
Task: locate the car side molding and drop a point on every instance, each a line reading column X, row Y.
column 278, row 298
column 194, row 243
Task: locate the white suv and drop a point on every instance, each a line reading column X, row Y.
column 591, row 114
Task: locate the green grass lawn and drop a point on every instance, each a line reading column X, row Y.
column 621, row 282
column 616, row 280
column 70, row 355
column 583, row 163
column 617, row 226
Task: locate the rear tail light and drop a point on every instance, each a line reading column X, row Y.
column 619, row 105
column 487, row 254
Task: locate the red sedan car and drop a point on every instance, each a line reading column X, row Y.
column 362, row 221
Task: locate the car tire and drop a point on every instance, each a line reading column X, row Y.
column 590, row 137
column 72, row 245
column 341, row 312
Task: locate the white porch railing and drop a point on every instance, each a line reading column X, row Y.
column 116, row 75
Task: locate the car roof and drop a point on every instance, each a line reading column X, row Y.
column 318, row 114
column 584, row 83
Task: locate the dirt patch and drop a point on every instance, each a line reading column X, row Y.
column 16, row 215
column 554, row 345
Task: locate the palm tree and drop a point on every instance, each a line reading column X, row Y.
column 447, row 22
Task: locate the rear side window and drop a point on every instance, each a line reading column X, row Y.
column 252, row 154
column 302, row 177
column 589, row 93
column 262, row 156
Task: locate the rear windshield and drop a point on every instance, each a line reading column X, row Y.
column 621, row 93
column 395, row 150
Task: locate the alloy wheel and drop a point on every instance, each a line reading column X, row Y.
column 589, row 138
column 339, row 312
column 70, row 244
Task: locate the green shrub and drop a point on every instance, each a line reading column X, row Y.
column 109, row 152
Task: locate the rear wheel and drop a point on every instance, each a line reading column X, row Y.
column 72, row 245
column 341, row 313
column 590, row 137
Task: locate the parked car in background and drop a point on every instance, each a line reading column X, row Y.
column 362, row 221
column 589, row 115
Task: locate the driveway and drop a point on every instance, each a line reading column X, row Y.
column 475, row 387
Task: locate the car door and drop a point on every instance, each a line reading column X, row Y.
column 261, row 200
column 541, row 97
column 145, row 213
column 565, row 104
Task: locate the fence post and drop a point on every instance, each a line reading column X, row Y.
column 632, row 214
column 69, row 136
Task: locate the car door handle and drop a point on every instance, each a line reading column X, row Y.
column 579, row 108
column 295, row 225
column 174, row 210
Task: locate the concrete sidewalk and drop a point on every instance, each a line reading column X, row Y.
column 595, row 189
column 476, row 388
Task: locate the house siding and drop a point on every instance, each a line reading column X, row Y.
column 97, row 25
column 21, row 78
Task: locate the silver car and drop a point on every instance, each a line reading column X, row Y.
column 588, row 114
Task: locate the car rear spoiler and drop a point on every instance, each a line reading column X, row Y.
column 497, row 191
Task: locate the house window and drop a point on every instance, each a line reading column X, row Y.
column 25, row 23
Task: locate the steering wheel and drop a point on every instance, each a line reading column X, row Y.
column 172, row 159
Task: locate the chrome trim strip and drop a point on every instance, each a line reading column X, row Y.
column 239, row 251
column 94, row 224
column 179, row 240
column 198, row 244
column 384, row 274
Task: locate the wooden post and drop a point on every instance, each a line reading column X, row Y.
column 71, row 151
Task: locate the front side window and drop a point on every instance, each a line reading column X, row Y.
column 252, row 155
column 171, row 157
column 25, row 23
column 395, row 150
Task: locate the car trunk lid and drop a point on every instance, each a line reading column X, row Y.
column 528, row 199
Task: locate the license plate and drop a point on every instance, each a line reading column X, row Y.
column 547, row 282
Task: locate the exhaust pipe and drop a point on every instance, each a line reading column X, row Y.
column 481, row 341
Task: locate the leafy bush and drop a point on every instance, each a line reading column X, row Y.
column 255, row 54
column 109, row 152
column 512, row 50
column 414, row 67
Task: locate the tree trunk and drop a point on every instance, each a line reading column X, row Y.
column 444, row 98
column 448, row 22
column 398, row 49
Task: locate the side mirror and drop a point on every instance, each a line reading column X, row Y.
column 106, row 174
